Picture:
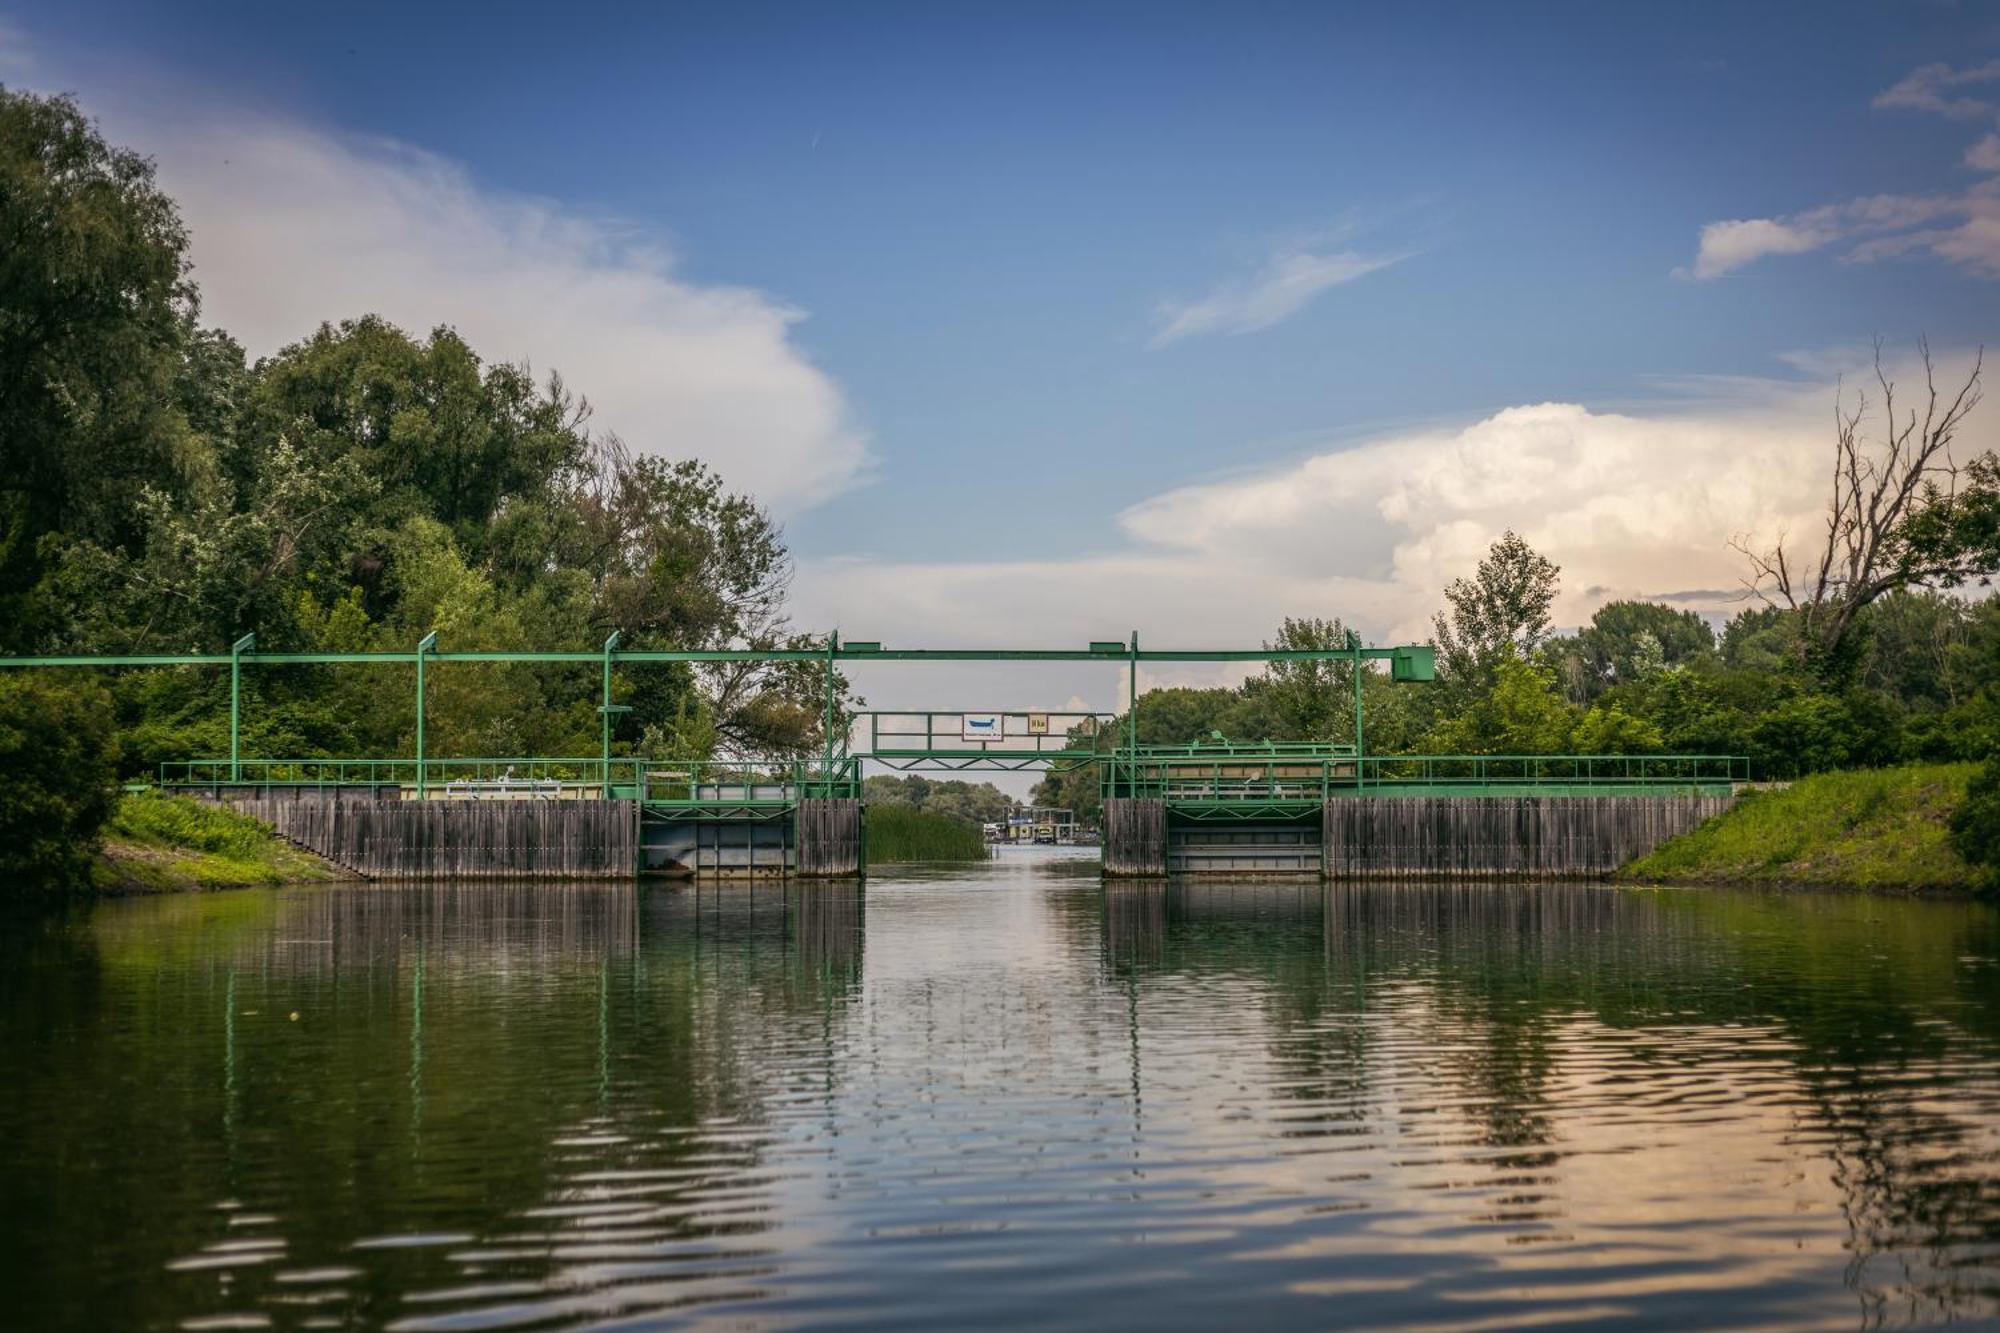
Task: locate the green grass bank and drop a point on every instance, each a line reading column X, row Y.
column 900, row 833
column 1882, row 829
column 170, row 844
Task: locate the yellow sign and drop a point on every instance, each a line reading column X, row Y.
column 1038, row 724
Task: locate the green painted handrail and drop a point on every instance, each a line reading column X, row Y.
column 1237, row 775
column 650, row 779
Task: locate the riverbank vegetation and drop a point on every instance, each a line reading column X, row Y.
column 155, row 843
column 904, row 833
column 1886, row 828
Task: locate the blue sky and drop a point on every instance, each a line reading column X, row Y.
column 1043, row 289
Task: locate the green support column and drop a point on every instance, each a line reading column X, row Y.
column 826, row 765
column 236, row 651
column 1132, row 720
column 1354, row 642
column 607, row 708
column 425, row 646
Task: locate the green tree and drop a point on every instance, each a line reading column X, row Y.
column 96, row 317
column 210, row 563
column 56, row 779
column 1689, row 711
column 1806, row 733
column 1302, row 700
column 1760, row 638
column 438, row 433
column 1500, row 614
column 1912, row 641
column 1632, row 641
column 1609, row 729
column 1521, row 714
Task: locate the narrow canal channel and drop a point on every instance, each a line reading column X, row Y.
column 998, row 1095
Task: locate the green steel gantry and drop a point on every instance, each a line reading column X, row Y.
column 1225, row 776
column 1407, row 663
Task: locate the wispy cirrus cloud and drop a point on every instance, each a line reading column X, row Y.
column 1290, row 280
column 1961, row 227
column 1935, row 88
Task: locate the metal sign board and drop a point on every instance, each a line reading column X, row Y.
column 981, row 727
column 1038, row 724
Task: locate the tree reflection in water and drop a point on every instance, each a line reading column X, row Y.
column 1492, row 1024
column 1002, row 1094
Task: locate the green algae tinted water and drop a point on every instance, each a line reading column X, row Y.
column 1001, row 1095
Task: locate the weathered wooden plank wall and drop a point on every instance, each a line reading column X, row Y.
column 1135, row 836
column 1368, row 837
column 829, row 836
column 577, row 839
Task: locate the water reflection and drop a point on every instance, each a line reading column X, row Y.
column 1004, row 1095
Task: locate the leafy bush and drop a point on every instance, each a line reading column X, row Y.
column 56, row 774
column 1609, row 729
column 1808, row 733
column 1975, row 827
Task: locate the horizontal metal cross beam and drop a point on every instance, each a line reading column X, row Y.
column 847, row 652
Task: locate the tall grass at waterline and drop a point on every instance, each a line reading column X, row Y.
column 155, row 843
column 900, row 833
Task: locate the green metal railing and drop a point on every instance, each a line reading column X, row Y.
column 711, row 782
column 1302, row 775
column 632, row 777
column 335, row 772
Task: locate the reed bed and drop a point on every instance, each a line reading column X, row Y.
column 900, row 833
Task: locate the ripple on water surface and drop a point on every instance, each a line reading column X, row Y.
column 1001, row 1095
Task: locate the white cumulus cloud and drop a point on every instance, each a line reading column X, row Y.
column 293, row 224
column 1630, row 504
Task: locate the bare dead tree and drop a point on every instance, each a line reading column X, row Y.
column 1902, row 512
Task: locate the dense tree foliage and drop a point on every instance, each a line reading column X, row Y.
column 1975, row 827
column 99, row 373
column 56, row 784
column 973, row 803
column 355, row 491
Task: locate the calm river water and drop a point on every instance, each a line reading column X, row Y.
column 998, row 1095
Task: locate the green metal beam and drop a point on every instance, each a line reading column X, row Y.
column 1126, row 653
